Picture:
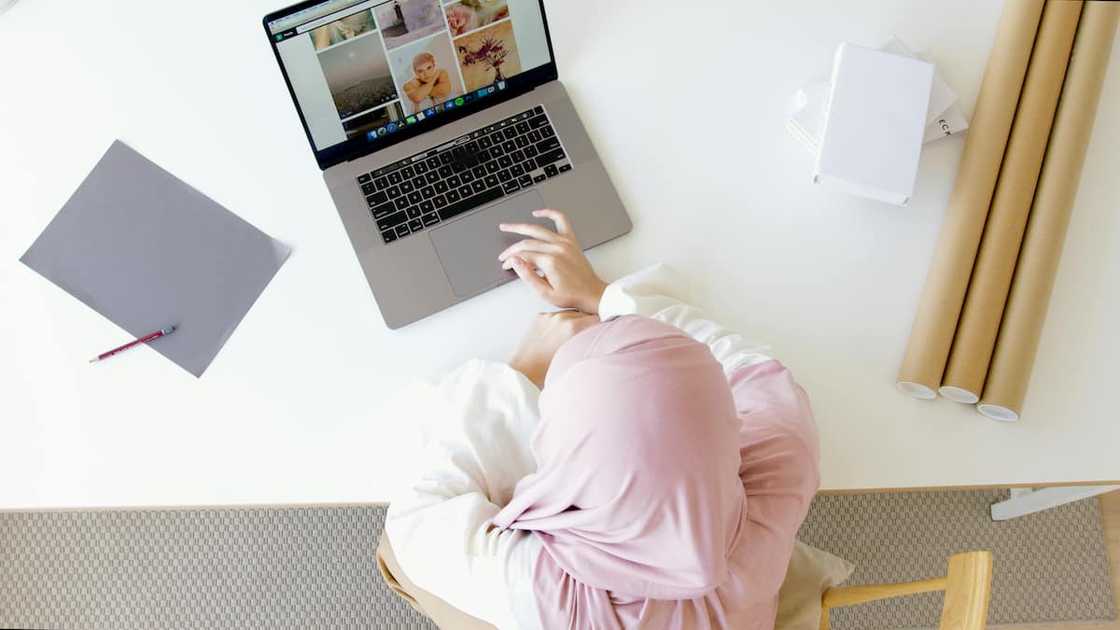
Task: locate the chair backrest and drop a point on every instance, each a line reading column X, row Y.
column 968, row 589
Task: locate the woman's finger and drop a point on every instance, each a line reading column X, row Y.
column 563, row 226
column 521, row 268
column 530, row 245
column 538, row 232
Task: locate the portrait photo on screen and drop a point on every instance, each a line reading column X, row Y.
column 342, row 30
column 426, row 73
column 465, row 16
column 405, row 21
column 488, row 55
column 358, row 76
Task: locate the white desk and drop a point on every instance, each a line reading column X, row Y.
column 687, row 107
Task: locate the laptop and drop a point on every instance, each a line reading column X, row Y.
column 433, row 122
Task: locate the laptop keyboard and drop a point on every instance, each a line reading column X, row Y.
column 434, row 186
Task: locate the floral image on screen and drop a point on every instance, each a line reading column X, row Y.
column 488, row 55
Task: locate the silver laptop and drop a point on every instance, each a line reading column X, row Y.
column 433, row 122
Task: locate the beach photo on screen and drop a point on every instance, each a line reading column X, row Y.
column 469, row 15
column 488, row 55
column 426, row 73
column 358, row 76
column 345, row 29
column 405, row 21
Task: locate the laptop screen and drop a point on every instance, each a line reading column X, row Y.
column 363, row 70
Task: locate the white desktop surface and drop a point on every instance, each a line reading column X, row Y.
column 686, row 103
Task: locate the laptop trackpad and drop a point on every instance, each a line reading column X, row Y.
column 468, row 248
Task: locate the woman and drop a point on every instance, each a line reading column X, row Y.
column 660, row 486
column 429, row 85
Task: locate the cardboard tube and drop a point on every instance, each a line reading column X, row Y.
column 1021, row 328
column 1011, row 206
column 947, row 282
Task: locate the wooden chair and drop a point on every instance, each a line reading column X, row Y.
column 968, row 588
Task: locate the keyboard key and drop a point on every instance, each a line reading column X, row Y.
column 517, row 156
column 454, row 181
column 453, row 196
column 551, row 170
column 496, row 138
column 427, row 206
column 428, row 192
column 470, row 203
column 548, row 145
column 497, row 151
column 505, row 161
column 521, row 142
column 441, row 187
column 445, row 158
column 479, row 171
column 392, row 220
column 511, row 187
column 548, row 158
column 376, row 199
column 531, row 151
column 491, row 181
column 413, row 212
column 465, row 191
column 363, row 178
column 529, row 165
column 467, row 177
column 368, row 189
column 523, row 127
column 415, row 197
column 564, row 168
column 431, row 219
column 394, row 192
column 395, row 177
column 458, row 166
column 485, row 142
column 407, row 187
column 483, row 155
column 408, row 172
column 547, row 132
column 517, row 170
column 509, row 146
column 440, row 201
column 419, row 182
column 402, row 231
column 421, row 168
column 402, row 203
column 538, row 121
column 382, row 211
column 534, row 137
column 389, row 236
column 505, row 176
column 525, row 181
column 433, row 162
column 478, row 186
column 538, row 109
column 416, row 225
column 492, row 167
column 432, row 177
column 510, row 133
column 471, row 148
column 539, row 178
column 445, row 171
column 382, row 183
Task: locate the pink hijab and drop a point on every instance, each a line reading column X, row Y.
column 640, row 498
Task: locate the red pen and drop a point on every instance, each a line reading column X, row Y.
column 132, row 344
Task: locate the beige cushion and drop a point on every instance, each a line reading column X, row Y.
column 811, row 572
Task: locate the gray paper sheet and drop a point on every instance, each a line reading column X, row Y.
column 146, row 250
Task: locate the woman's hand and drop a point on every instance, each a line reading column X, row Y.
column 569, row 281
column 548, row 332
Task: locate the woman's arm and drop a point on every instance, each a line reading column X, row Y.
column 482, row 416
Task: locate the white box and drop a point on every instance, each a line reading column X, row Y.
column 874, row 124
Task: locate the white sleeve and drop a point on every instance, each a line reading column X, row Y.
column 481, row 418
column 651, row 292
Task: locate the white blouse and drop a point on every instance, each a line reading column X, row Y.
column 476, row 425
